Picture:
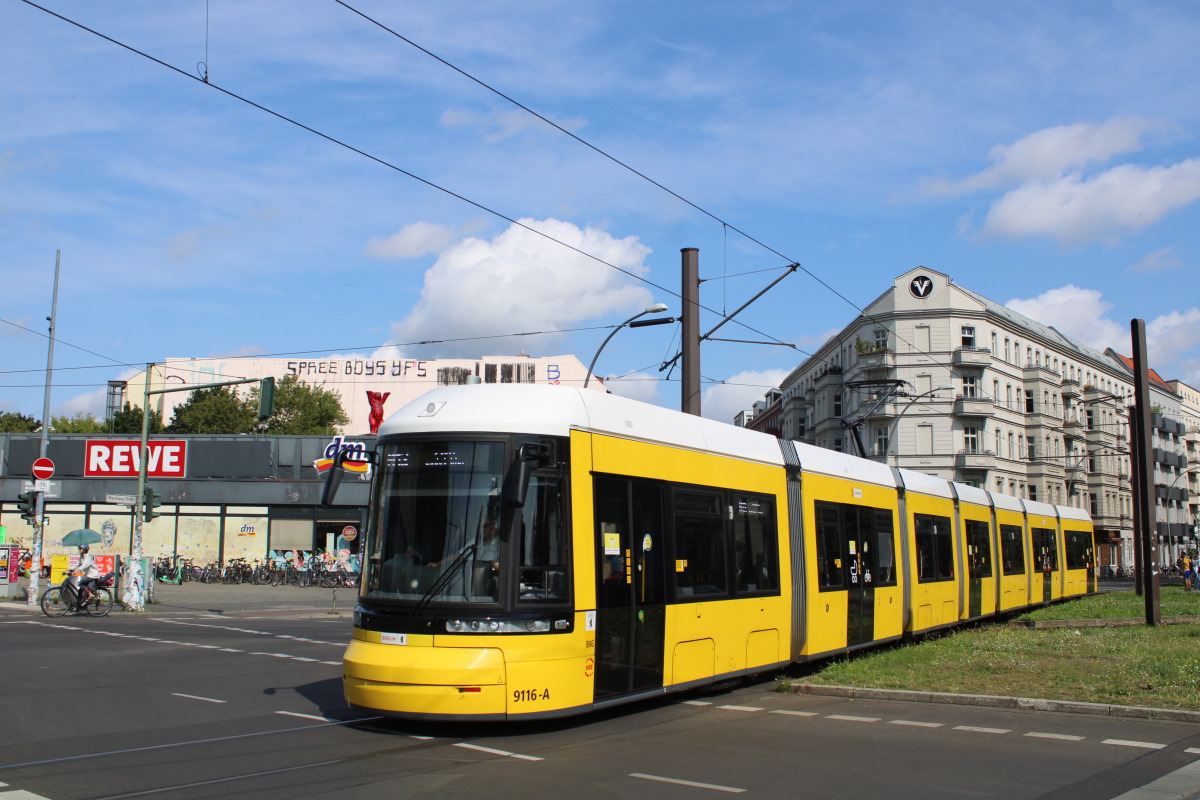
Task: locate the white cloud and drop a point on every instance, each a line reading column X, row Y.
column 1160, row 260
column 521, row 282
column 1077, row 313
column 1073, row 209
column 723, row 401
column 637, row 387
column 1047, row 154
column 1172, row 339
column 499, row 125
column 411, row 241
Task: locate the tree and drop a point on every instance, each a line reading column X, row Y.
column 12, row 422
column 215, row 410
column 129, row 420
column 81, row 422
column 301, row 409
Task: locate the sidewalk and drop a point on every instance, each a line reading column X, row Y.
column 234, row 600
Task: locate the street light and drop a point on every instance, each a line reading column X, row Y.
column 657, row 308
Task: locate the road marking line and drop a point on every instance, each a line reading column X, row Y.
column 679, row 782
column 197, row 697
column 849, row 718
column 1066, row 737
column 916, row 724
column 798, row 713
column 1193, row 750
column 305, row 716
column 739, row 708
column 974, row 729
column 302, row 658
column 496, row 752
column 1180, row 783
column 1127, row 743
column 696, row 703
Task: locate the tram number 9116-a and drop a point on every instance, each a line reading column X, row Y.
column 530, row 695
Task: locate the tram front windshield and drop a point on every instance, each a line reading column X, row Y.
column 439, row 532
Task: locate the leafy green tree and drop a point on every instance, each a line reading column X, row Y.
column 301, row 409
column 13, row 422
column 129, row 420
column 81, row 422
column 216, row 410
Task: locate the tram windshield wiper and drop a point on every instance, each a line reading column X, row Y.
column 443, row 579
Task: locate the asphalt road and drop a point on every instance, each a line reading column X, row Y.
column 232, row 691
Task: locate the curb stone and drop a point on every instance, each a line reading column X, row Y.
column 994, row 701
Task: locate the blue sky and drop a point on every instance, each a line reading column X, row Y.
column 1045, row 155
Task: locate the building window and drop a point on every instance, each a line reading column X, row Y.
column 1007, row 350
column 969, row 386
column 1028, row 401
column 971, row 439
column 968, row 336
column 881, row 441
column 881, row 339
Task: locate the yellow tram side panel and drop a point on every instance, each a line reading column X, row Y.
column 1075, row 581
column 827, row 612
column 1038, row 573
column 706, row 639
column 1014, row 589
column 970, row 511
column 934, row 603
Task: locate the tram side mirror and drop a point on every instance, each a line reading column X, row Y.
column 334, row 479
column 530, row 456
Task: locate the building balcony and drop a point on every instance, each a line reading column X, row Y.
column 1047, row 468
column 830, row 376
column 877, row 359
column 972, row 357
column 978, row 405
column 1100, row 436
column 975, row 459
column 1070, row 389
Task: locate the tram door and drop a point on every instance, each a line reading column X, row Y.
column 979, row 564
column 1045, row 559
column 861, row 550
column 630, row 594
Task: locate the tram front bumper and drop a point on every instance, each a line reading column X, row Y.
column 423, row 681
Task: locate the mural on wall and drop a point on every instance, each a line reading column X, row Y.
column 199, row 538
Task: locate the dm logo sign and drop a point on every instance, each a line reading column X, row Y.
column 921, row 286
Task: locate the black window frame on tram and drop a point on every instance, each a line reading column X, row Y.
column 836, row 524
column 1012, row 549
column 979, row 548
column 934, row 538
column 720, row 543
column 1046, row 561
column 1079, row 549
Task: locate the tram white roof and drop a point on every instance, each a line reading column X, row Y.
column 972, row 494
column 822, row 461
column 1006, row 502
column 1036, row 507
column 921, row 483
column 556, row 410
column 1070, row 512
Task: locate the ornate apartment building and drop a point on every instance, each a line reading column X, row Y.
column 936, row 378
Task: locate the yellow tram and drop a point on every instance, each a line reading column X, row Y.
column 541, row 551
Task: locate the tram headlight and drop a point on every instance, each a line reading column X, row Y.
column 497, row 626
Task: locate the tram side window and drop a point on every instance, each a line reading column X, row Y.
column 1079, row 549
column 756, row 546
column 935, row 548
column 830, row 573
column 699, row 545
column 543, row 538
column 1011, row 551
column 979, row 548
column 1045, row 550
column 885, row 554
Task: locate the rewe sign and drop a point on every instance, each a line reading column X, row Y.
column 121, row 459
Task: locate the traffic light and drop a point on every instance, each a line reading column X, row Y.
column 152, row 500
column 27, row 504
column 266, row 399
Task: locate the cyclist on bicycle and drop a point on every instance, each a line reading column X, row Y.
column 90, row 574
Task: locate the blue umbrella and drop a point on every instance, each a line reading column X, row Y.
column 82, row 536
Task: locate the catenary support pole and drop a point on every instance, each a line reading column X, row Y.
column 690, row 346
column 39, row 523
column 1143, row 460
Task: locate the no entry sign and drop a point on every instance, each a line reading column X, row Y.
column 43, row 469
